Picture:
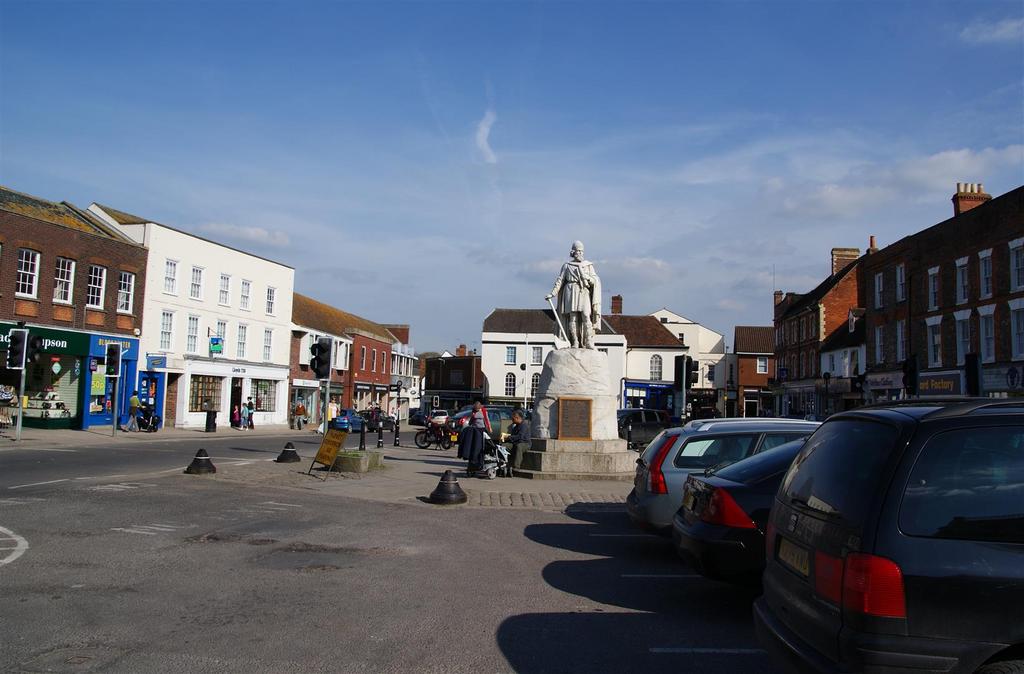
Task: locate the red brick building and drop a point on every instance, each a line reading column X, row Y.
column 748, row 393
column 803, row 322
column 948, row 294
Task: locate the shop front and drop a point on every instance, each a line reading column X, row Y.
column 307, row 392
column 67, row 386
column 1005, row 380
column 223, row 386
column 649, row 395
column 931, row 384
column 882, row 386
column 799, row 399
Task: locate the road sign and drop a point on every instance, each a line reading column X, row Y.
column 396, row 388
column 216, row 345
column 333, row 441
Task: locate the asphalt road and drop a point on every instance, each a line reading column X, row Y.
column 168, row 573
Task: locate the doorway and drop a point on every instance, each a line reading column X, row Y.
column 236, row 393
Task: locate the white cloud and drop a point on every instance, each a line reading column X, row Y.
column 1009, row 31
column 257, row 235
column 483, row 133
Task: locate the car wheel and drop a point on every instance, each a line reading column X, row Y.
column 1004, row 667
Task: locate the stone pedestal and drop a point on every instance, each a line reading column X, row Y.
column 575, row 381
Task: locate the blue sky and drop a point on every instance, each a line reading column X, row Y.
column 427, row 162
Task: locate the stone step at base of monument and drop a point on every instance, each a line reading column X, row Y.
column 579, row 446
column 546, row 475
column 580, row 462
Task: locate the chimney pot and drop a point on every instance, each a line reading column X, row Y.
column 968, row 195
column 778, row 297
column 616, row 304
column 871, row 242
column 959, row 188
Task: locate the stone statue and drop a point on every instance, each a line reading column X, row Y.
column 579, row 299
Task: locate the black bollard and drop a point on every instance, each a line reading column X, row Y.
column 201, row 464
column 396, row 433
column 380, row 434
column 448, row 491
column 362, row 437
column 629, row 434
column 288, row 454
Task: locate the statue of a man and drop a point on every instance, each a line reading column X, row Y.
column 579, row 298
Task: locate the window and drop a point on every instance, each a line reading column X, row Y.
column 510, row 385
column 985, row 272
column 879, row 344
column 203, row 388
column 901, row 282
column 242, row 334
column 268, row 344
column 963, row 339
column 1017, row 328
column 192, row 335
column 962, row 283
column 966, row 485
column 534, row 383
column 171, row 277
column 63, row 280
column 195, row 288
column 1017, row 265
column 97, row 285
column 537, row 357
column 703, row 452
column 271, row 292
column 166, row 330
column 935, row 345
column 125, row 292
column 225, row 290
column 933, row 288
column 383, row 362
column 373, row 361
column 901, row 341
column 28, row 273
column 988, row 338
column 878, row 290
column 773, row 440
column 222, row 329
column 340, row 355
column 362, row 358
column 264, row 395
column 246, row 294
column 655, row 367
column 510, row 355
column 762, row 365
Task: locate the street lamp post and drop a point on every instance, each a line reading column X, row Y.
column 828, row 377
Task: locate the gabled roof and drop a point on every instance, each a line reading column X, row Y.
column 528, row 320
column 310, row 313
column 754, row 339
column 641, row 331
column 811, row 299
column 843, row 338
column 63, row 214
column 123, row 218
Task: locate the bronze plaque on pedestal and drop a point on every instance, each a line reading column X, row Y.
column 574, row 418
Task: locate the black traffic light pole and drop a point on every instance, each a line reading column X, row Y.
column 114, row 354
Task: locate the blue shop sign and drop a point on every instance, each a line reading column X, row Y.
column 155, row 362
column 129, row 346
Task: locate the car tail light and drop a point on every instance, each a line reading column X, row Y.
column 722, row 509
column 828, row 577
column 656, row 475
column 769, row 540
column 873, row 586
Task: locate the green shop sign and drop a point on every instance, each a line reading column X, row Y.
column 54, row 341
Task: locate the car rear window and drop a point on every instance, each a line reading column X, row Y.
column 763, row 464
column 703, row 451
column 838, row 469
column 968, row 484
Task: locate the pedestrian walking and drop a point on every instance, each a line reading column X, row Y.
column 252, row 408
column 133, row 410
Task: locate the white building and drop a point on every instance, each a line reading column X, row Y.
column 217, row 325
column 703, row 344
column 651, row 352
column 844, row 358
column 514, row 344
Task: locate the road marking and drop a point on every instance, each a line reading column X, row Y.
column 22, row 500
column 19, row 548
column 134, row 531
column 661, row 575
column 37, row 484
column 121, row 486
column 710, row 651
column 289, row 505
column 85, row 478
column 45, row 449
column 240, row 463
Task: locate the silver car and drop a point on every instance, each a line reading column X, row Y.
column 663, row 466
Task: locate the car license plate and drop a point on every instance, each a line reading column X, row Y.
column 688, row 501
column 794, row 557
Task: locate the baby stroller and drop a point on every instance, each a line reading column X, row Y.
column 494, row 461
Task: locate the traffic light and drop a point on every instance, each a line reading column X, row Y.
column 113, row 360
column 692, row 372
column 320, row 363
column 34, row 352
column 910, row 376
column 17, row 343
column 677, row 374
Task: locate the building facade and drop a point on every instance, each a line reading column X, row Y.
column 75, row 282
column 405, row 374
column 312, row 320
column 754, row 363
column 218, row 328
column 707, row 348
column 651, row 352
column 947, row 295
column 843, row 365
column 451, row 381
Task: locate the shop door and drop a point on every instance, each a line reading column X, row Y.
column 750, row 408
column 171, row 408
column 236, row 393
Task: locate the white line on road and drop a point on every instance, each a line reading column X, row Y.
column 37, row 484
column 290, row 505
column 710, row 651
column 661, row 575
column 134, row 531
column 20, row 546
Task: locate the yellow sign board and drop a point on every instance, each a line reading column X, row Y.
column 333, row 441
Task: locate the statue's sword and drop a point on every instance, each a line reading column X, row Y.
column 558, row 318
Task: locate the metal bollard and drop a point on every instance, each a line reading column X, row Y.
column 396, row 433
column 629, row 434
column 380, row 434
column 362, row 437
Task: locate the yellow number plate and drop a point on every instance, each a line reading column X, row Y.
column 794, row 557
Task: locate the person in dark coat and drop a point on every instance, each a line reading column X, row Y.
column 471, row 438
column 517, row 438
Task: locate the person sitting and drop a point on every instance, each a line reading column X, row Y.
column 517, row 438
column 471, row 438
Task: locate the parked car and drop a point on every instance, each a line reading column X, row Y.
column 348, row 420
column 417, row 418
column 439, row 416
column 664, row 465
column 499, row 415
column 896, row 543
column 387, row 421
column 719, row 530
column 646, row 425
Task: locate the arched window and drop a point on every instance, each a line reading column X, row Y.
column 534, row 383
column 510, row 385
column 655, row 367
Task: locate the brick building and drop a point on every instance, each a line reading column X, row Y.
column 76, row 282
column 803, row 322
column 947, row 293
column 751, row 367
column 453, row 381
column 310, row 321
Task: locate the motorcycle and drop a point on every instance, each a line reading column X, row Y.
column 146, row 420
column 434, row 433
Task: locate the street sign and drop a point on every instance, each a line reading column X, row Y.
column 216, row 345
column 333, row 441
column 396, row 388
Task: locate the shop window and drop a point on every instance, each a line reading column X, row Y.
column 27, row 283
column 510, row 385
column 203, row 388
column 224, row 297
column 97, row 285
column 125, row 292
column 64, row 280
column 246, row 295
column 264, row 394
column 242, row 334
column 271, row 293
column 655, row 367
column 171, row 277
column 268, row 344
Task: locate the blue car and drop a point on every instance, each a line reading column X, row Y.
column 348, row 420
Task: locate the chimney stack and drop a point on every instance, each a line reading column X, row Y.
column 969, row 195
column 778, row 297
column 872, row 247
column 841, row 257
column 461, row 351
column 616, row 304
